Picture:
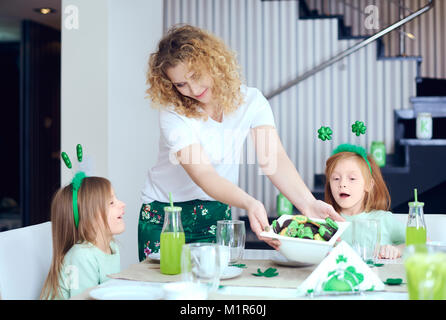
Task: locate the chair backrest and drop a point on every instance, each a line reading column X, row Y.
column 25, row 259
column 435, row 225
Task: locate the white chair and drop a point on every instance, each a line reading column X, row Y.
column 25, row 259
column 435, row 225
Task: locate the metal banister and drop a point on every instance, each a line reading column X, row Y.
column 351, row 50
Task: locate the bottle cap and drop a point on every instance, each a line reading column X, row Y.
column 172, row 209
column 416, row 204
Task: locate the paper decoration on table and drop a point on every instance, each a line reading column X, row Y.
column 342, row 270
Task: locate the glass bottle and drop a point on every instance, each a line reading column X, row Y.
column 171, row 241
column 416, row 228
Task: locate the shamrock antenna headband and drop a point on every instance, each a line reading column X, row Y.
column 77, row 180
column 358, row 128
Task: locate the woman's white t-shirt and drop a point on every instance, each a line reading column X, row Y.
column 222, row 142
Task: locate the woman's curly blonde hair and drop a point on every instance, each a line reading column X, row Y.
column 201, row 52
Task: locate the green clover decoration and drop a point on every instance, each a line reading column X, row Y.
column 341, row 258
column 359, row 128
column 270, row 272
column 325, row 133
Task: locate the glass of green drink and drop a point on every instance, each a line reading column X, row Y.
column 426, row 272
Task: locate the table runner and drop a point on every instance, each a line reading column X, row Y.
column 289, row 277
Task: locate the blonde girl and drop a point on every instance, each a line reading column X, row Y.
column 84, row 251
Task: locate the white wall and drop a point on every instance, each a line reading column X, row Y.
column 104, row 108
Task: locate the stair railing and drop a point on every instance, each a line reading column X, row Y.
column 351, row 50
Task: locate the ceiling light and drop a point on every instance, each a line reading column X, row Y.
column 44, row 10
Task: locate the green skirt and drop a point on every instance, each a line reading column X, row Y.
column 199, row 219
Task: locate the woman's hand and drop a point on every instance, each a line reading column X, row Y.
column 258, row 220
column 321, row 210
column 389, row 252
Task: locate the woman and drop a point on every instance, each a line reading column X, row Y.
column 205, row 116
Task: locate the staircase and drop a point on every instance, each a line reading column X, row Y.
column 414, row 163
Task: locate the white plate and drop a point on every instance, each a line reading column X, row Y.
column 231, row 272
column 154, row 256
column 127, row 292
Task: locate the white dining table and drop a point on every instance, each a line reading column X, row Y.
column 231, row 290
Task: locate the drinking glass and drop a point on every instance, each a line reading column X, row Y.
column 200, row 265
column 426, row 272
column 366, row 239
column 231, row 235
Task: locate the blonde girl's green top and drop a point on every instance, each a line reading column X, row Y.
column 393, row 231
column 86, row 266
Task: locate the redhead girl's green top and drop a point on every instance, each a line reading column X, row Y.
column 86, row 266
column 393, row 231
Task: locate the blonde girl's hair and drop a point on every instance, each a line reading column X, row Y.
column 378, row 198
column 93, row 197
column 203, row 53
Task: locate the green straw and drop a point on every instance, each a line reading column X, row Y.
column 416, row 195
column 171, row 202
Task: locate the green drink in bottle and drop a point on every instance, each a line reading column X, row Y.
column 171, row 246
column 416, row 228
column 171, row 240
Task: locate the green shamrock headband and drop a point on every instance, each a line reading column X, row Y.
column 358, row 128
column 355, row 149
column 76, row 182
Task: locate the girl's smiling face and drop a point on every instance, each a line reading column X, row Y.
column 115, row 213
column 348, row 186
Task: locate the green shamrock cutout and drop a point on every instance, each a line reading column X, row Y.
column 359, row 128
column 393, row 281
column 341, row 258
column 324, row 133
column 239, row 265
column 270, row 272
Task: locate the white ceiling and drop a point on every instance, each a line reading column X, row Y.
column 13, row 11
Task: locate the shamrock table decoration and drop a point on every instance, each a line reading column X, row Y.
column 325, row 133
column 359, row 128
column 270, row 272
column 393, row 281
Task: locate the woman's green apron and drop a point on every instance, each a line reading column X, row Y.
column 199, row 219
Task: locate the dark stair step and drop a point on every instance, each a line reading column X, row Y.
column 252, row 242
column 428, row 87
column 436, row 105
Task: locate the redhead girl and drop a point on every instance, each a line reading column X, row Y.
column 356, row 189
